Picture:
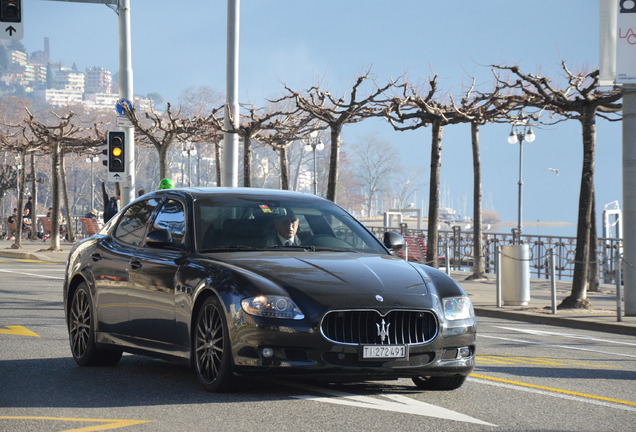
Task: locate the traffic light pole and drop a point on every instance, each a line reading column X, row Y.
column 126, row 92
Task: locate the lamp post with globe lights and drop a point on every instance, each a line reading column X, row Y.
column 312, row 144
column 189, row 150
column 519, row 133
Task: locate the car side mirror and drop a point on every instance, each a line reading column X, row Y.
column 393, row 240
column 159, row 238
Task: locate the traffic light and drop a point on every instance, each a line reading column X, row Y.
column 11, row 11
column 116, row 151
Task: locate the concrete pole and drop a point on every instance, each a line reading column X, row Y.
column 231, row 145
column 629, row 198
column 126, row 92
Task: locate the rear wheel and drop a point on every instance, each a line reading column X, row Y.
column 81, row 331
column 439, row 382
column 212, row 356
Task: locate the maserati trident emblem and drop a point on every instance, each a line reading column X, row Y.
column 383, row 331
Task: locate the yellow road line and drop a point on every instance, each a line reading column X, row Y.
column 555, row 390
column 17, row 330
column 502, row 359
column 110, row 424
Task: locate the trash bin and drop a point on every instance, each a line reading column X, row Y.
column 515, row 275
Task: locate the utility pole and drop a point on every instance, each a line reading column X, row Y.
column 230, row 149
column 126, row 92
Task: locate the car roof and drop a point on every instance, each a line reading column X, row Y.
column 205, row 192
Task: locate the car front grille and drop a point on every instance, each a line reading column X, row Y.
column 372, row 328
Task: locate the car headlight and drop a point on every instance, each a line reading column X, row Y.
column 272, row 307
column 457, row 308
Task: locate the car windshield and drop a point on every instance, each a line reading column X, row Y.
column 248, row 223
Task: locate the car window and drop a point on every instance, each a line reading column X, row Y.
column 242, row 222
column 171, row 217
column 132, row 224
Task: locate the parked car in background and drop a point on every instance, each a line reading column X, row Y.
column 197, row 276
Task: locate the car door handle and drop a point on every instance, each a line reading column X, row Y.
column 96, row 257
column 135, row 265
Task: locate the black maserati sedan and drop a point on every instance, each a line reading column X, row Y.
column 253, row 282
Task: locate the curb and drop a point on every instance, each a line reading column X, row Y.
column 535, row 318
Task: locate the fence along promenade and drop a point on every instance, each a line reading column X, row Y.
column 460, row 245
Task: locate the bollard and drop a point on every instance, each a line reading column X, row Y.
column 553, row 282
column 619, row 287
column 447, row 252
column 498, row 270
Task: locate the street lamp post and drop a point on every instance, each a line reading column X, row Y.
column 519, row 133
column 189, row 150
column 91, row 160
column 312, row 144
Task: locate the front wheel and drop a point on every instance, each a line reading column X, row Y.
column 212, row 355
column 81, row 331
column 439, row 382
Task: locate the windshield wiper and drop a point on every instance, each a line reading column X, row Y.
column 230, row 248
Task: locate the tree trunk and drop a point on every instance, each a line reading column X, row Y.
column 163, row 161
column 217, row 160
column 247, row 161
column 284, row 175
column 478, row 258
column 34, row 202
column 578, row 297
column 55, row 196
column 433, row 204
column 17, row 244
column 70, row 234
column 334, row 156
column 593, row 272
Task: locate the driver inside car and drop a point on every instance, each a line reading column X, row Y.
column 284, row 233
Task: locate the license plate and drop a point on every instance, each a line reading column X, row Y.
column 383, row 351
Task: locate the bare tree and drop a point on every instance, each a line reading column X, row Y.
column 53, row 137
column 373, row 163
column 162, row 130
column 580, row 99
column 415, row 109
column 337, row 112
column 477, row 109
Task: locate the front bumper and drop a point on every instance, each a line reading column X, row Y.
column 265, row 347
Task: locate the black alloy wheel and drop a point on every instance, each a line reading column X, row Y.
column 81, row 331
column 211, row 346
column 452, row 382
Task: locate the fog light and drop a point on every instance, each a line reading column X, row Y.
column 267, row 352
column 463, row 352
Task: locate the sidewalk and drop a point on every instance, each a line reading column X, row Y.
column 483, row 294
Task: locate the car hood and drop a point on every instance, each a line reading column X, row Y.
column 340, row 279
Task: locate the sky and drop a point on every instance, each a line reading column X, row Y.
column 299, row 43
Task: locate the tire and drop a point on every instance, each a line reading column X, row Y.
column 81, row 332
column 439, row 382
column 211, row 348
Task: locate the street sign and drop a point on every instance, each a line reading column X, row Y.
column 13, row 31
column 123, row 122
column 11, row 18
column 120, row 106
column 116, row 177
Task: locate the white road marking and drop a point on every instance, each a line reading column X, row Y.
column 398, row 403
column 556, row 346
column 567, row 335
column 31, row 274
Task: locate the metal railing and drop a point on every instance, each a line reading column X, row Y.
column 460, row 245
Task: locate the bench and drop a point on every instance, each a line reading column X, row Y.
column 414, row 250
column 91, row 226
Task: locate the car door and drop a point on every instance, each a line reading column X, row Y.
column 111, row 267
column 153, row 278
